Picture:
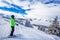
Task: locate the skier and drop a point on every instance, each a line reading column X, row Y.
column 12, row 22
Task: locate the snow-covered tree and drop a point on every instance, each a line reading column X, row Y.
column 27, row 23
column 54, row 27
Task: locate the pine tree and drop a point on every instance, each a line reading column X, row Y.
column 54, row 27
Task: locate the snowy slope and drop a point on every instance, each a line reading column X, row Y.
column 22, row 32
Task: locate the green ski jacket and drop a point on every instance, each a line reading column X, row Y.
column 12, row 22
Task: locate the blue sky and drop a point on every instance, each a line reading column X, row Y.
column 15, row 8
column 53, row 1
column 45, row 1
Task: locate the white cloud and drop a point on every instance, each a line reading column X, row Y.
column 24, row 4
column 41, row 10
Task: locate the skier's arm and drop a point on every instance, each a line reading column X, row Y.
column 16, row 23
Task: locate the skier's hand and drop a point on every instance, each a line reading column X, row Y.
column 17, row 24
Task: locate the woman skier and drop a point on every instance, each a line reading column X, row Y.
column 12, row 22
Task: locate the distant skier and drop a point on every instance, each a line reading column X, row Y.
column 12, row 22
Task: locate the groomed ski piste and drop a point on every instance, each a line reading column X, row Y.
column 22, row 32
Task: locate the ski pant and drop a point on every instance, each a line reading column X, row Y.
column 12, row 30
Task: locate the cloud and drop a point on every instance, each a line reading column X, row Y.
column 37, row 9
column 40, row 10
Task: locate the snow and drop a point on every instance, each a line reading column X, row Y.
column 22, row 32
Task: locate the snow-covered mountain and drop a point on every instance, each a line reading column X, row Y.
column 22, row 32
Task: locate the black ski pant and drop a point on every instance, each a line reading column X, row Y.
column 12, row 30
